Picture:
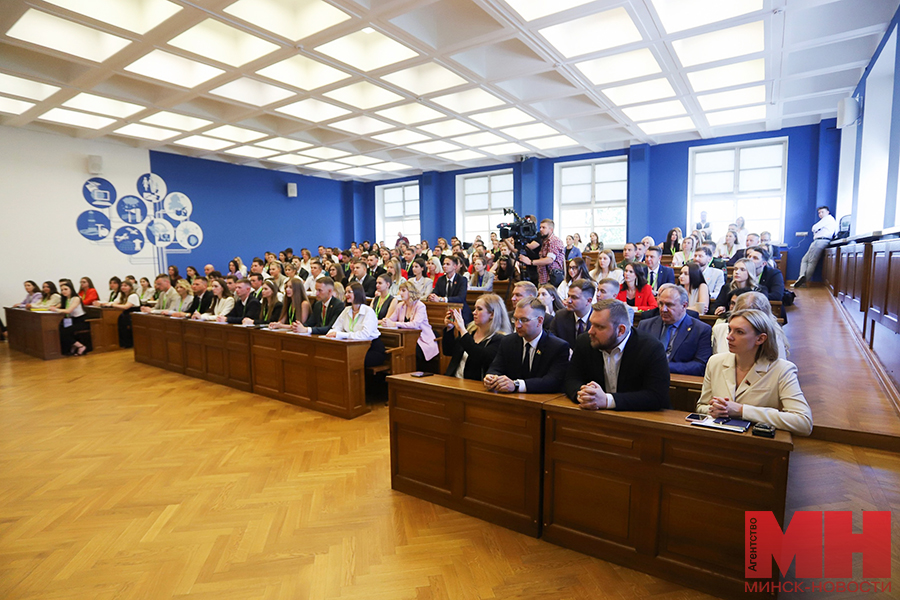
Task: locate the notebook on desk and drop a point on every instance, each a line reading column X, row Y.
column 724, row 424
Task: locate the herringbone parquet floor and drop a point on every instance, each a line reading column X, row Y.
column 123, row 481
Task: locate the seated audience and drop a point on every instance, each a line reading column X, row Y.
column 727, row 249
column 691, row 279
column 765, row 238
column 184, row 302
column 533, row 360
column 358, row 322
column 114, row 291
column 393, row 270
column 190, row 273
column 672, row 245
column 296, row 306
column 549, row 297
column 49, row 297
column 504, row 269
column 203, row 296
column 714, row 278
column 147, row 293
column 32, row 295
column 325, row 311
column 372, row 268
column 744, row 277
column 269, row 305
column 608, row 289
column 246, row 305
column 474, row 347
column 167, row 298
column 417, row 276
column 629, row 255
column 129, row 304
column 635, row 291
column 222, row 303
column 750, row 382
column 572, row 251
column 451, row 286
column 576, row 268
column 595, row 245
column 410, row 313
column 575, row 320
column 362, row 277
column 606, row 267
column 87, row 292
column 657, row 273
column 686, row 254
column 770, row 278
column 630, row 371
column 687, row 340
column 383, row 302
column 744, row 301
column 174, row 275
column 481, row 279
column 74, row 322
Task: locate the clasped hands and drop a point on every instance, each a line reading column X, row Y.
column 591, row 396
column 499, row 383
column 723, row 407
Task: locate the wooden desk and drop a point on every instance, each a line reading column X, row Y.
column 313, row 371
column 455, row 444
column 638, row 489
column 158, row 341
column 34, row 332
column 217, row 352
column 104, row 327
column 684, row 391
column 401, row 345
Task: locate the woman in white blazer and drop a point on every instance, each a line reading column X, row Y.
column 750, row 382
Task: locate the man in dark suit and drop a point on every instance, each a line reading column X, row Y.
column 452, row 287
column 361, row 277
column 657, row 274
column 575, row 320
column 531, row 361
column 373, row 270
column 324, row 312
column 256, row 281
column 770, row 278
column 687, row 340
column 636, row 362
column 246, row 305
column 203, row 297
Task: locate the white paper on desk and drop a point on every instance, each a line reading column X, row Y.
column 298, row 332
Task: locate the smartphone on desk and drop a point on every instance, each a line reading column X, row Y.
column 695, row 417
column 421, row 374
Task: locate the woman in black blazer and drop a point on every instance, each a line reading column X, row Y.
column 270, row 307
column 479, row 342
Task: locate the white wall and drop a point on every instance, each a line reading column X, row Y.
column 40, row 199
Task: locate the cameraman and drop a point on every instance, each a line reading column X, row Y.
column 552, row 256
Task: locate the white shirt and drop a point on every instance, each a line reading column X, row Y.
column 612, row 361
column 534, row 344
column 825, row 228
column 363, row 327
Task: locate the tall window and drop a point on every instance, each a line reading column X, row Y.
column 397, row 209
column 480, row 200
column 745, row 180
column 592, row 196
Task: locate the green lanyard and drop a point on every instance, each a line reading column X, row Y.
column 354, row 320
column 291, row 313
column 378, row 305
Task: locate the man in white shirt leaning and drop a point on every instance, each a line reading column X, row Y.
column 823, row 231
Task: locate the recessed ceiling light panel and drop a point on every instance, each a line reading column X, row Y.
column 13, row 106
column 503, row 117
column 26, row 88
column 103, row 106
column 646, row 91
column 59, row 34
column 79, row 119
column 425, row 79
column 251, row 152
column 448, row 128
column 202, row 143
column 176, row 121
column 737, row 115
column 679, row 15
column 313, row 110
column 367, row 50
column 401, row 137
column 741, row 97
column 462, row 155
column 325, row 153
column 469, row 100
column 721, row 44
column 292, row 159
column 303, row 72
column 252, row 92
column 361, row 125
column 740, row 73
column 292, row 19
column 235, row 134
column 524, row 132
column 556, row 141
column 391, row 167
column 359, row 171
column 505, row 149
column 283, row 144
column 138, row 16
column 326, row 165
column 168, row 67
column 364, row 95
column 480, row 139
column 667, row 126
column 433, row 147
column 619, row 67
column 657, row 110
column 146, row 132
column 408, row 114
column 535, row 9
column 360, row 161
column 223, row 43
column 600, row 31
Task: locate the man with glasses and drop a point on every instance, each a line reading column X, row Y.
column 531, row 361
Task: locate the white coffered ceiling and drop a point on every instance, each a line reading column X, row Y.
column 376, row 89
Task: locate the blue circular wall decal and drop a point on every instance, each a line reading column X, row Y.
column 128, row 240
column 151, row 187
column 160, row 233
column 178, row 206
column 93, row 224
column 99, row 192
column 189, row 235
column 131, row 209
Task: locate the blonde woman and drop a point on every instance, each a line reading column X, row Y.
column 744, row 277
column 393, row 269
column 474, row 347
column 410, row 313
column 606, row 267
column 184, row 301
column 686, row 254
column 750, row 381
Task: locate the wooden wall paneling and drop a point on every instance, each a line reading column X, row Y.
column 653, row 478
column 195, row 349
column 884, row 306
column 457, row 445
column 831, row 268
column 237, row 348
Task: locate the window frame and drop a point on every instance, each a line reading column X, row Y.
column 736, row 195
column 461, row 212
column 381, row 221
column 594, row 203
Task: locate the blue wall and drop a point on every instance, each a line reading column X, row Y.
column 244, row 210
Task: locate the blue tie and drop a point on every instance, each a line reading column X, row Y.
column 670, row 338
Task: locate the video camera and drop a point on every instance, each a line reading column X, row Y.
column 521, row 230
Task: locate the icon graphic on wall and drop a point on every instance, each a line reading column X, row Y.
column 93, row 224
column 151, row 187
column 128, row 240
column 131, row 209
column 189, row 235
column 99, row 192
column 178, row 206
column 160, row 233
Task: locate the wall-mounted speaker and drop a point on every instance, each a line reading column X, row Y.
column 95, row 164
column 292, row 190
column 847, row 112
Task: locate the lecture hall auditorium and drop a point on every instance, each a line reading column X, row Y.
column 160, row 456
